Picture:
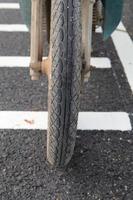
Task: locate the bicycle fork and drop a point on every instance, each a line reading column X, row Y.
column 87, row 22
column 39, row 65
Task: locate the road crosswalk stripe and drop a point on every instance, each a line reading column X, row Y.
column 124, row 47
column 18, row 61
column 13, row 28
column 101, row 62
column 9, row 6
column 87, row 120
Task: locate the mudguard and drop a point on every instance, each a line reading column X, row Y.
column 112, row 16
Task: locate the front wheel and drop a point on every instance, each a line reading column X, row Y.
column 65, row 80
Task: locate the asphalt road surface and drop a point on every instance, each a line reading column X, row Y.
column 102, row 165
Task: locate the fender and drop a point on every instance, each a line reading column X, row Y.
column 112, row 16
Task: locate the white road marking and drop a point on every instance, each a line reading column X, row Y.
column 87, row 120
column 104, row 121
column 23, row 120
column 10, row 61
column 101, row 62
column 119, row 28
column 9, row 6
column 13, row 28
column 99, row 29
column 124, row 47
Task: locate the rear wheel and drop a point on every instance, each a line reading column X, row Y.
column 64, row 81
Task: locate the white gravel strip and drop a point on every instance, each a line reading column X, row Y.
column 116, row 121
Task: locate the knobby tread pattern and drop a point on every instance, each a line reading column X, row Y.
column 64, row 89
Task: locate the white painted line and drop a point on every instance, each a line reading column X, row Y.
column 87, row 120
column 99, row 29
column 13, row 28
column 124, row 47
column 101, row 62
column 121, row 27
column 23, row 120
column 104, row 121
column 10, row 61
column 9, row 6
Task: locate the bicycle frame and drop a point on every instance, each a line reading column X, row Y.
column 87, row 20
